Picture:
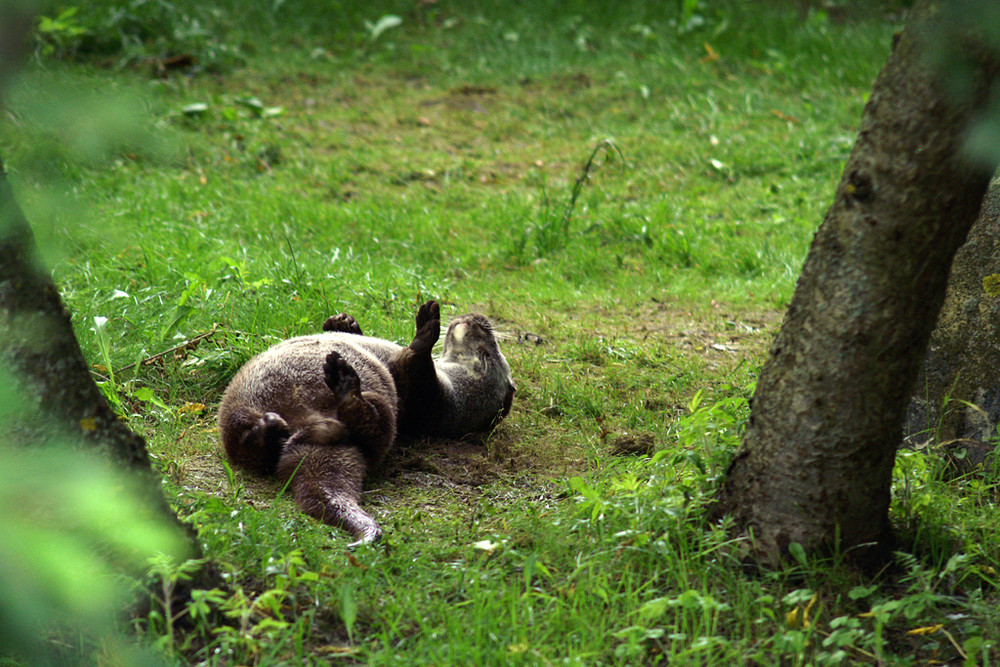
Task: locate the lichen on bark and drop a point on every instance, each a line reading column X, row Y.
column 956, row 401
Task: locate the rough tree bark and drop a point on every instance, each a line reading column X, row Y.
column 956, row 401
column 39, row 350
column 816, row 460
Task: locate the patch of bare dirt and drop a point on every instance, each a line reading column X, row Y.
column 440, row 462
column 457, row 465
column 207, row 474
column 642, row 444
column 471, row 462
column 718, row 330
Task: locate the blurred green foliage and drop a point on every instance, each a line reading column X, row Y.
column 218, row 35
column 73, row 527
column 70, row 526
column 972, row 33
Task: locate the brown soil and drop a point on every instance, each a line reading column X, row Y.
column 429, row 462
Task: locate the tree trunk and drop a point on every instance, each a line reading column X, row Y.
column 816, row 460
column 40, row 354
column 956, row 401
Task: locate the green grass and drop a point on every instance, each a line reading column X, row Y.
column 438, row 161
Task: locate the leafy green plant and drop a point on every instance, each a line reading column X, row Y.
column 552, row 231
column 107, row 386
column 168, row 571
column 232, row 624
column 228, row 109
column 60, row 35
column 167, row 33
